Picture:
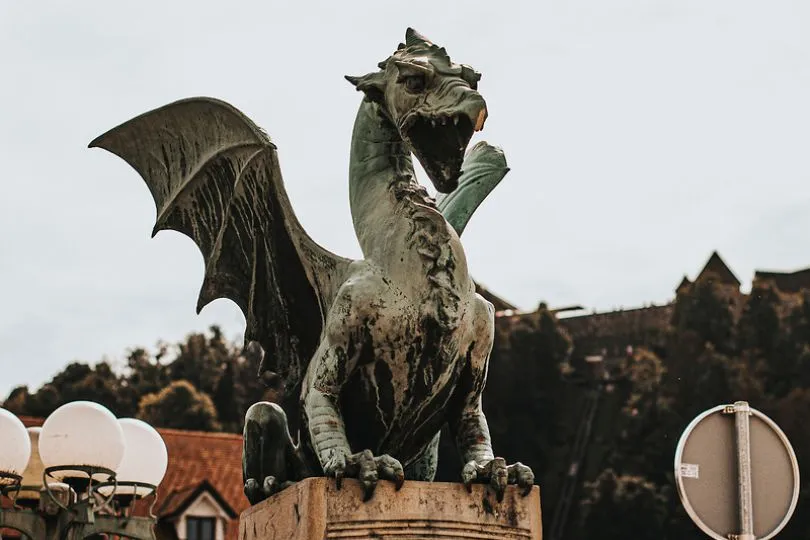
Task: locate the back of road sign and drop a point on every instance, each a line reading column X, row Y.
column 706, row 472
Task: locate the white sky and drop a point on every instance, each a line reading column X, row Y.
column 641, row 136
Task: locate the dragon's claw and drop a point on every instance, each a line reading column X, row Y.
column 498, row 475
column 390, row 469
column 335, row 467
column 252, row 491
column 367, row 468
column 257, row 492
column 270, row 486
column 523, row 476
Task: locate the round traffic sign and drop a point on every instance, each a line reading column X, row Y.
column 737, row 473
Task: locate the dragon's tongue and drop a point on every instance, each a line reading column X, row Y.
column 479, row 122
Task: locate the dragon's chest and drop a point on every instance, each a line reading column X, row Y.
column 397, row 397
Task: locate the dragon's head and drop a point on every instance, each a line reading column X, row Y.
column 433, row 103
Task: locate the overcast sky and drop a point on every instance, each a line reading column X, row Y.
column 642, row 135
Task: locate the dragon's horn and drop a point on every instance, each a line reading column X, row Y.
column 412, row 37
column 372, row 85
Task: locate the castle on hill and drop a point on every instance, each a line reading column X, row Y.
column 610, row 335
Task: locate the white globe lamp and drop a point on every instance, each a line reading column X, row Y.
column 80, row 439
column 15, row 448
column 144, row 464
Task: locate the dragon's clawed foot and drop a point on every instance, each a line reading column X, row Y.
column 498, row 475
column 365, row 467
column 256, row 493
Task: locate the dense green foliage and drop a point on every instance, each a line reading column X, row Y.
column 712, row 357
column 203, row 383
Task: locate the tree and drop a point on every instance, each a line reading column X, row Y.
column 78, row 381
column 622, row 506
column 218, row 368
column 799, row 321
column 200, row 359
column 759, row 326
column 789, row 367
column 648, row 422
column 791, row 413
column 702, row 310
column 17, row 401
column 146, row 373
column 181, row 406
column 225, row 400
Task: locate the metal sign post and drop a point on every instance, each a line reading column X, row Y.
column 737, row 474
column 741, row 411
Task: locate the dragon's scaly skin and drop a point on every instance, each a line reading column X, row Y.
column 386, row 350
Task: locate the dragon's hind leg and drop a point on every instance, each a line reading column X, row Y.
column 270, row 460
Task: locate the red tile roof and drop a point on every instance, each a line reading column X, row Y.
column 172, row 502
column 196, row 457
column 176, row 502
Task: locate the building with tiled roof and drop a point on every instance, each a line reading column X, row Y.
column 201, row 495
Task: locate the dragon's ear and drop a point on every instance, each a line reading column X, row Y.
column 372, row 85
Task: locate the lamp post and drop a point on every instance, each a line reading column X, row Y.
column 79, row 475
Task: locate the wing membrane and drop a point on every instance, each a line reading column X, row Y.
column 215, row 177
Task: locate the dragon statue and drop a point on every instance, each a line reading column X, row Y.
column 379, row 354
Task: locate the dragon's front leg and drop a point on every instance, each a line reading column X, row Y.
column 330, row 368
column 472, row 438
column 328, row 436
column 469, row 425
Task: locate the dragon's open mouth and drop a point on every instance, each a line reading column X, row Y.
column 439, row 144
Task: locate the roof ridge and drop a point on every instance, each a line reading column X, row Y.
column 195, row 433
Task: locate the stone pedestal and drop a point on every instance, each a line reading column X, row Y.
column 315, row 510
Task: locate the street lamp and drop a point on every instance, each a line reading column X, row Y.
column 140, row 471
column 15, row 449
column 84, row 472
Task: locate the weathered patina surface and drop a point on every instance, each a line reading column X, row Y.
column 378, row 353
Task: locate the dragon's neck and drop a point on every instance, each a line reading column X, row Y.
column 379, row 166
column 397, row 222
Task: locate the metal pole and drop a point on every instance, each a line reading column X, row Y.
column 741, row 423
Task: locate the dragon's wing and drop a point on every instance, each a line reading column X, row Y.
column 484, row 167
column 215, row 177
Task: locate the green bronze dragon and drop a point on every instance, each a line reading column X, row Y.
column 376, row 355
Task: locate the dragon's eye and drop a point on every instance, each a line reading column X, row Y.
column 414, row 83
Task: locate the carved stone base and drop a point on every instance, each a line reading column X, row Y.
column 314, row 509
